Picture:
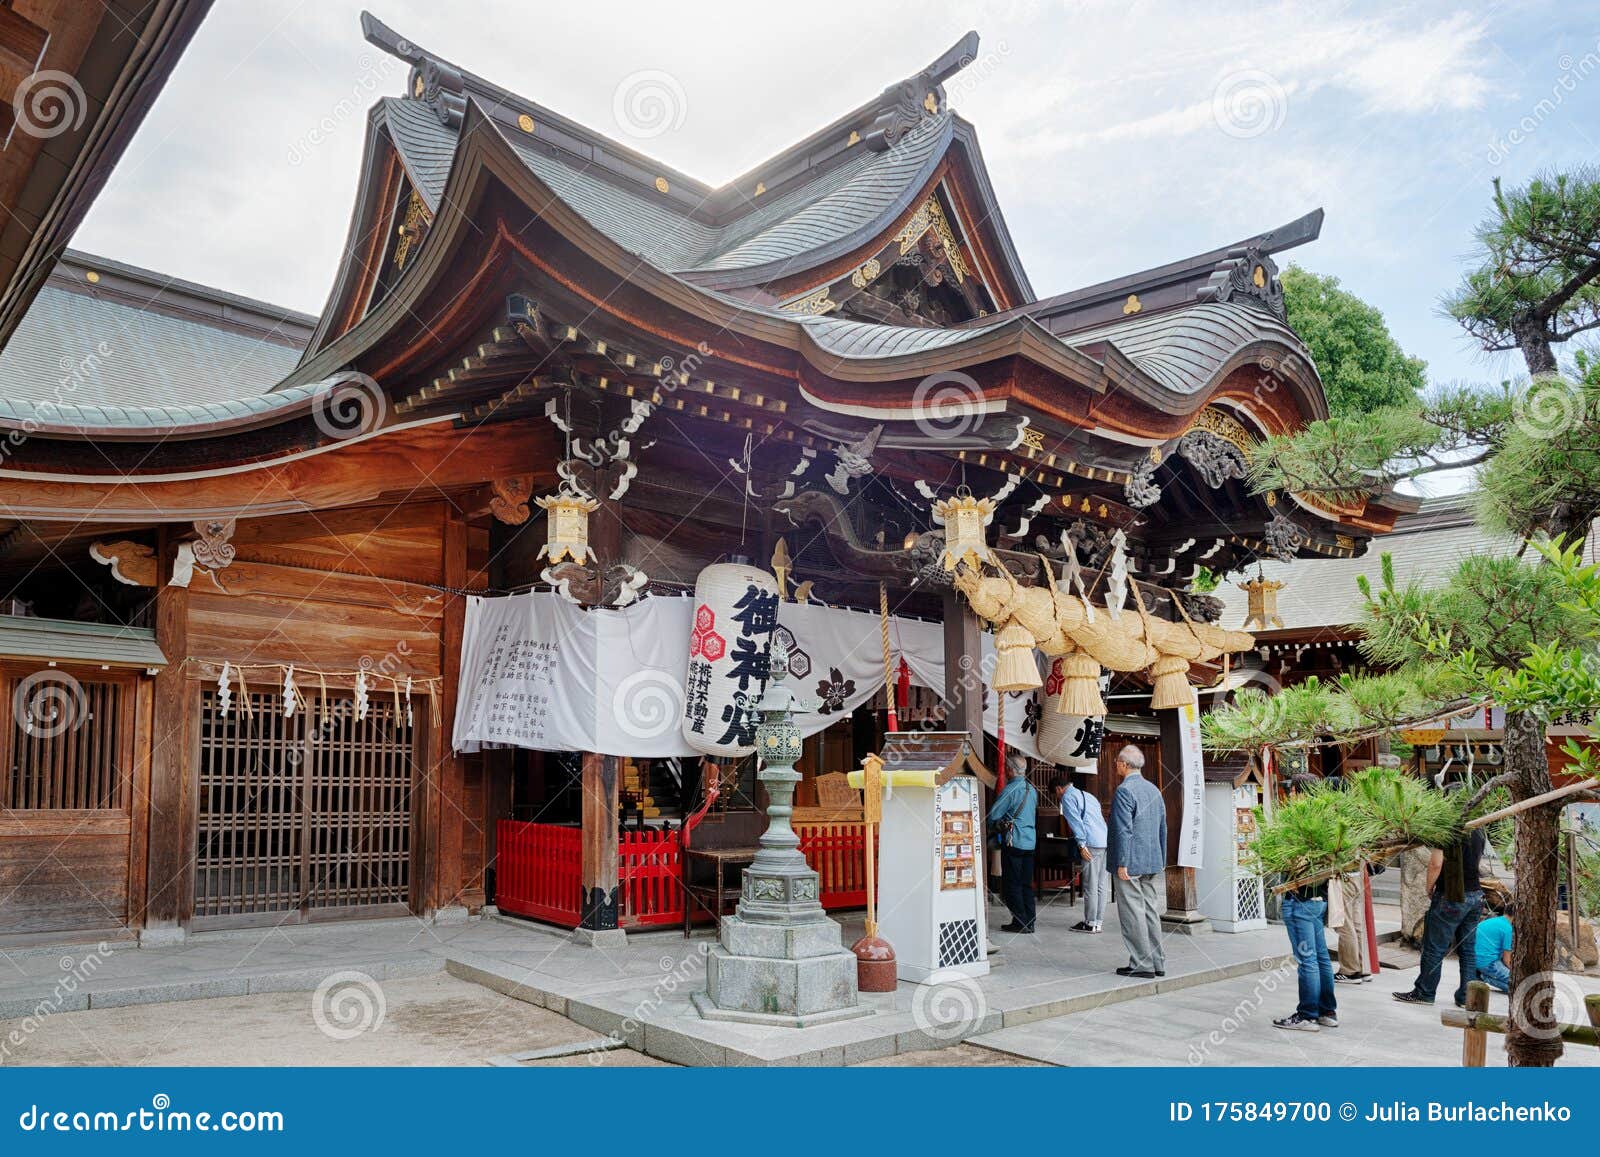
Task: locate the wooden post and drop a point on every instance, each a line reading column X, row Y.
column 963, row 671
column 1572, row 892
column 598, row 902
column 448, row 781
column 170, row 867
column 1475, row 1041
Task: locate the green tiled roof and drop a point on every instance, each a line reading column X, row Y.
column 64, row 641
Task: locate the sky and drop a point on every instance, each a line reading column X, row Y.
column 1118, row 136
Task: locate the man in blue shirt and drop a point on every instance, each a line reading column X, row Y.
column 1011, row 819
column 1088, row 823
column 1493, row 947
column 1138, row 852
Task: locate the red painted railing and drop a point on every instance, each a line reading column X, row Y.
column 838, row 854
column 650, row 879
column 539, row 871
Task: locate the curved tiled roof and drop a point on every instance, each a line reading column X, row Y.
column 824, row 214
column 1183, row 349
column 87, row 417
column 132, row 340
column 847, row 338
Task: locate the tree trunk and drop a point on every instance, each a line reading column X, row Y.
column 1531, row 1040
column 1533, row 339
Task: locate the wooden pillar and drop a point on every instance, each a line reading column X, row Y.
column 963, row 670
column 598, row 903
column 447, row 794
column 168, row 883
column 1183, row 894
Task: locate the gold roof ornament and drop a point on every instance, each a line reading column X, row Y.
column 782, row 566
column 964, row 519
column 525, row 123
column 662, row 186
column 1263, row 609
column 1133, row 304
column 567, row 526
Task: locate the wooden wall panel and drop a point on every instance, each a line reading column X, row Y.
column 63, row 883
column 399, row 542
column 311, row 632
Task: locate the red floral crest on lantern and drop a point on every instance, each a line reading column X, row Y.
column 704, row 641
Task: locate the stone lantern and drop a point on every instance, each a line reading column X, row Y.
column 780, row 960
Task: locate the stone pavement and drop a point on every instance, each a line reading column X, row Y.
column 1229, row 1023
column 639, row 992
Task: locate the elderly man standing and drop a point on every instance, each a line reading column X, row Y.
column 1138, row 853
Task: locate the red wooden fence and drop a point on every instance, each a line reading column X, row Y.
column 539, row 871
column 837, row 853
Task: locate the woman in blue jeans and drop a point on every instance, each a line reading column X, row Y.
column 1305, row 911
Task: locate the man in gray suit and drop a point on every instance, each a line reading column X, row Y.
column 1138, row 853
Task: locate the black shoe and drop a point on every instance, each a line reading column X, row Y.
column 1351, row 977
column 1126, row 970
column 1161, row 972
column 1011, row 927
column 1141, row 973
column 1410, row 997
column 1081, row 926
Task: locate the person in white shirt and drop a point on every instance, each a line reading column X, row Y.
column 1088, row 823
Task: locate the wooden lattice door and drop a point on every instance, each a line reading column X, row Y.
column 303, row 818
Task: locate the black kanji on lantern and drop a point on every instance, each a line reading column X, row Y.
column 750, row 664
column 1088, row 738
column 741, row 721
column 756, row 612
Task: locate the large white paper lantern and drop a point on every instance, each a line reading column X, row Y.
column 1064, row 739
column 735, row 611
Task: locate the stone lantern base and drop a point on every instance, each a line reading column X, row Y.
column 780, row 959
column 792, row 975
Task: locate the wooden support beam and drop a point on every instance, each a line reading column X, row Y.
column 598, row 901
column 170, row 866
column 963, row 673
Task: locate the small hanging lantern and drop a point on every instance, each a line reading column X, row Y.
column 735, row 613
column 566, row 526
column 964, row 519
column 1263, row 609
